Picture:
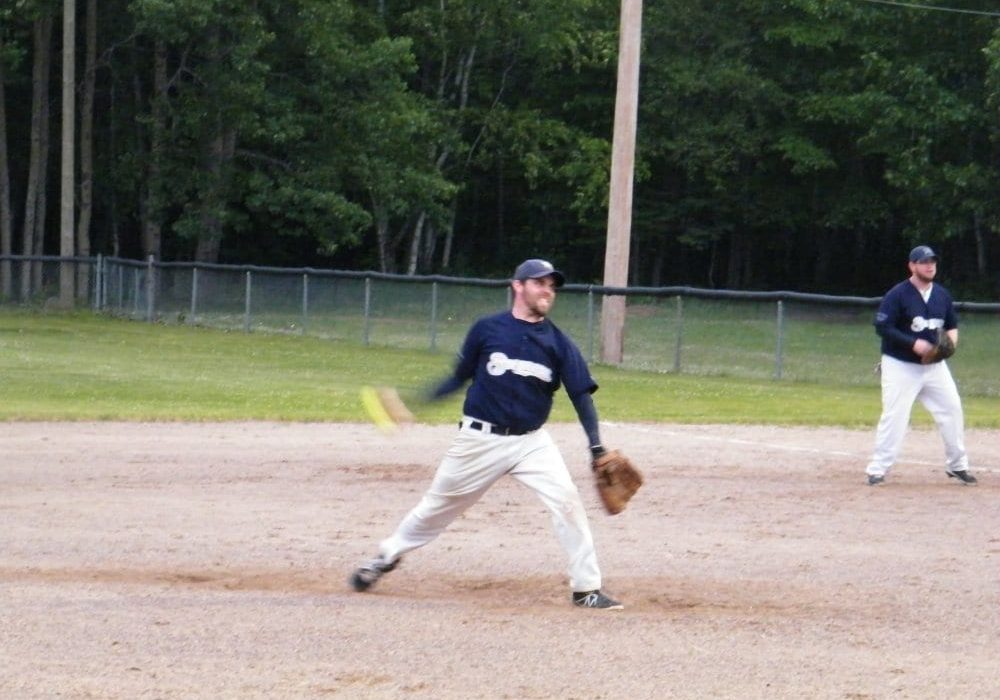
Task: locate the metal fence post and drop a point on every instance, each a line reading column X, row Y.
column 590, row 323
column 434, row 313
column 103, row 288
column 104, row 283
column 194, row 294
column 368, row 306
column 246, row 304
column 680, row 334
column 121, row 288
column 778, row 359
column 305, row 301
column 98, row 280
column 135, row 293
column 150, row 289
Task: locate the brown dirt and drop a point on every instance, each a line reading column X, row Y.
column 210, row 561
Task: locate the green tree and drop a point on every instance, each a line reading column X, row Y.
column 265, row 117
column 787, row 136
column 496, row 73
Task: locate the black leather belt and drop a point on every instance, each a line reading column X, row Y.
column 493, row 428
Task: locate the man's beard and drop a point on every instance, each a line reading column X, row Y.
column 539, row 306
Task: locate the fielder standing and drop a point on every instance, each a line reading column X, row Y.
column 909, row 318
column 516, row 361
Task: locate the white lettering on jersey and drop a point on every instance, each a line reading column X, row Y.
column 500, row 363
column 920, row 323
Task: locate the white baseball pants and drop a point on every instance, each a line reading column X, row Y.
column 902, row 384
column 473, row 463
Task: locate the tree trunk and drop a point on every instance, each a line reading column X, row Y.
column 381, row 235
column 430, row 245
column 218, row 156
column 656, row 271
column 501, row 223
column 634, row 270
column 34, row 202
column 209, row 243
column 220, row 153
column 977, row 227
column 747, row 269
column 114, row 228
column 713, row 260
column 824, row 257
column 418, row 231
column 459, row 82
column 87, row 151
column 735, row 260
column 67, row 199
column 41, row 218
column 6, row 217
column 449, row 238
column 152, row 226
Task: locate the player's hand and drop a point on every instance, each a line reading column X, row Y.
column 921, row 347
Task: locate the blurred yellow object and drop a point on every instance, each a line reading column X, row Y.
column 385, row 408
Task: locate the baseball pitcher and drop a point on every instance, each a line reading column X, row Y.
column 516, row 360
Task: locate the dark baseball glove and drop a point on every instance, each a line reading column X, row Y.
column 942, row 350
column 617, row 480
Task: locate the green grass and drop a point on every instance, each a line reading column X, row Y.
column 85, row 367
column 825, row 343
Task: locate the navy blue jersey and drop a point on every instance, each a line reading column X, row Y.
column 903, row 316
column 516, row 367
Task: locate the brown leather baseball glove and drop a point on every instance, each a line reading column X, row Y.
column 943, row 348
column 617, row 480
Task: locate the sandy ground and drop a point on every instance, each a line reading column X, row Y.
column 210, row 561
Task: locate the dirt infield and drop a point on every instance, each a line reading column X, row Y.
column 210, row 561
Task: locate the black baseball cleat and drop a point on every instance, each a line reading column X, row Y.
column 875, row 479
column 595, row 600
column 964, row 476
column 363, row 579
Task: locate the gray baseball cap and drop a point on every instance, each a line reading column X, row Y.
column 535, row 268
column 921, row 253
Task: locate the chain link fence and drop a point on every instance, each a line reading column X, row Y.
column 750, row 335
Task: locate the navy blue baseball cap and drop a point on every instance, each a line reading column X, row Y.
column 535, row 268
column 921, row 253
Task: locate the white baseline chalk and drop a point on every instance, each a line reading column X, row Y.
column 777, row 446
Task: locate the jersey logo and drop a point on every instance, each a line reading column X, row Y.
column 920, row 323
column 500, row 363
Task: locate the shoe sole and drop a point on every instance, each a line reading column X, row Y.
column 361, row 584
column 358, row 583
column 615, row 606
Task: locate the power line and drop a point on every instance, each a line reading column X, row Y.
column 934, row 7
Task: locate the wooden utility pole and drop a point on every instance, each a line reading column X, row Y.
column 67, row 278
column 86, row 207
column 6, row 214
column 622, row 177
